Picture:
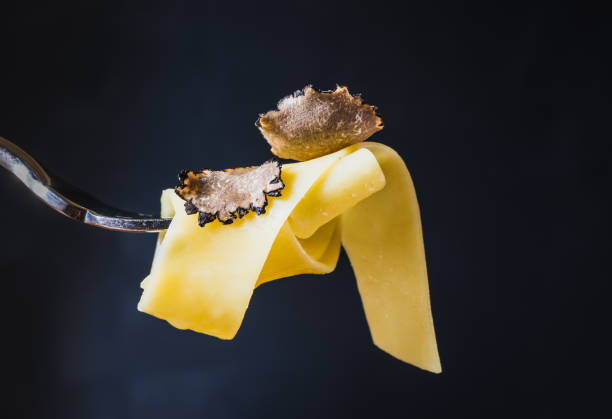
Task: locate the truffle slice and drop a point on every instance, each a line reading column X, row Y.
column 310, row 124
column 230, row 193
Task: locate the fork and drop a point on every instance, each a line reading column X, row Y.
column 70, row 201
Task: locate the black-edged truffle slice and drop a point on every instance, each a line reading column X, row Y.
column 310, row 123
column 230, row 193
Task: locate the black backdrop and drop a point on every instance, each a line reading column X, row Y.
column 501, row 114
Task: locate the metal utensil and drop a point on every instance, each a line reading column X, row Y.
column 68, row 200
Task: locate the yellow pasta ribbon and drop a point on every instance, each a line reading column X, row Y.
column 361, row 197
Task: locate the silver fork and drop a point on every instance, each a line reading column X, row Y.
column 70, row 201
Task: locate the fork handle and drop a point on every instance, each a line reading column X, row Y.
column 21, row 164
column 52, row 192
column 36, row 179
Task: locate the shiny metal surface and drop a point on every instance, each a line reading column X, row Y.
column 68, row 200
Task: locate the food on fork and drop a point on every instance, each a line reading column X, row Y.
column 311, row 124
column 344, row 192
column 225, row 194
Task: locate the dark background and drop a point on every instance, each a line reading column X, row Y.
column 501, row 113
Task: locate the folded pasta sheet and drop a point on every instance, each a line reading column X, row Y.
column 361, row 197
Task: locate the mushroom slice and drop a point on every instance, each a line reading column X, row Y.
column 310, row 123
column 230, row 193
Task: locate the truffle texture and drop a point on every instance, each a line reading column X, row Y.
column 230, row 193
column 310, row 123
